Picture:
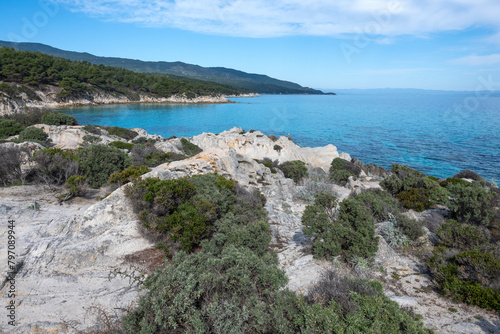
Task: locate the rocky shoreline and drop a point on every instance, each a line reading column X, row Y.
column 47, row 98
column 69, row 251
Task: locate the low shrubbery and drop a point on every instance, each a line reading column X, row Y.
column 341, row 170
column 414, row 190
column 58, row 119
column 33, row 134
column 350, row 233
column 91, row 139
column 120, row 132
column 54, row 166
column 97, row 162
column 121, row 145
column 294, row 169
column 189, row 148
column 9, row 127
column 149, row 155
column 128, row 174
column 466, row 265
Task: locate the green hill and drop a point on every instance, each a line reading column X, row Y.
column 254, row 82
column 74, row 78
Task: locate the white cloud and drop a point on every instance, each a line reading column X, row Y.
column 475, row 60
column 264, row 18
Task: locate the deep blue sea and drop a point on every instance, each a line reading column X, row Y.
column 438, row 133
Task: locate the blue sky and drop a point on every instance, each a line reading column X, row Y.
column 326, row 44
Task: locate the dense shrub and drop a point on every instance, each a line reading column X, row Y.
column 189, row 148
column 91, row 139
column 32, row 133
column 10, row 164
column 150, row 156
column 121, row 145
column 451, row 181
column 352, row 234
column 294, row 169
column 9, row 127
column 27, row 117
column 410, row 227
column 58, row 119
column 186, row 210
column 462, row 236
column 468, row 174
column 128, row 174
column 341, row 170
column 472, row 204
column 277, row 148
column 54, row 166
column 413, row 189
column 121, row 132
column 466, row 265
column 98, row 161
column 94, row 129
column 227, row 292
column 144, row 140
column 381, row 204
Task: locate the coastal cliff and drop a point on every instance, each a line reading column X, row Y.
column 71, row 253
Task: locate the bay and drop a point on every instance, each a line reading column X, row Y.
column 436, row 132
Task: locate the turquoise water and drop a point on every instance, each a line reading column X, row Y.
column 439, row 133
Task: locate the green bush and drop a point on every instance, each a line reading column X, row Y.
column 412, row 228
column 381, row 204
column 416, row 199
column 341, row 170
column 58, row 119
column 450, row 181
column 294, row 170
column 9, row 127
column 94, row 129
column 32, row 133
column 76, row 185
column 121, row 145
column 121, row 132
column 352, row 234
column 10, row 165
column 91, row 139
column 472, row 204
column 462, row 236
column 228, row 292
column 98, row 161
column 277, row 148
column 128, row 174
column 189, row 148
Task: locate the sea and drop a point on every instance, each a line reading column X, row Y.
column 437, row 132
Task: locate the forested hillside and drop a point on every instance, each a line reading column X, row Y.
column 36, row 69
column 258, row 83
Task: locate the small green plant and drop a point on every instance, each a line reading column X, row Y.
column 294, row 169
column 94, row 129
column 277, row 148
column 341, row 170
column 91, row 139
column 189, row 148
column 121, row 145
column 128, row 174
column 76, row 185
column 121, row 132
column 54, row 118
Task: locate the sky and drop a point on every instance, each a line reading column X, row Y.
column 323, row 44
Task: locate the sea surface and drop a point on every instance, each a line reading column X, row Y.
column 438, row 133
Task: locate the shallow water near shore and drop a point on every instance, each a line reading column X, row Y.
column 438, row 133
